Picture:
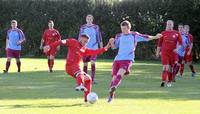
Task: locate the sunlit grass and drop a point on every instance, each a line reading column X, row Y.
column 35, row 91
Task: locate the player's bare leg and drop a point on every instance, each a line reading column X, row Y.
column 116, row 80
column 7, row 64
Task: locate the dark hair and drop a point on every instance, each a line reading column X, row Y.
column 85, row 36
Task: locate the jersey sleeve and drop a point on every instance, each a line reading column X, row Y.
column 21, row 35
column 117, row 41
column 99, row 36
column 141, row 37
column 88, row 52
column 7, row 36
column 58, row 36
column 160, row 41
column 44, row 36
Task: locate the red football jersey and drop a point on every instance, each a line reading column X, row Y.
column 50, row 36
column 76, row 51
column 169, row 40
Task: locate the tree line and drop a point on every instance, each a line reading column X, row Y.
column 146, row 16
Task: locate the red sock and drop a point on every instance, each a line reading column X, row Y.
column 169, row 77
column 79, row 79
column 181, row 69
column 192, row 68
column 88, row 85
column 164, row 76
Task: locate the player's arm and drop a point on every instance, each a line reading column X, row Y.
column 191, row 46
column 52, row 46
column 144, row 37
column 114, row 42
column 6, row 43
column 157, row 36
column 97, row 51
column 159, row 45
column 58, row 39
column 80, row 32
column 179, row 43
column 100, row 41
column 22, row 38
column 42, row 41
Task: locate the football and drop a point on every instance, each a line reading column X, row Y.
column 92, row 97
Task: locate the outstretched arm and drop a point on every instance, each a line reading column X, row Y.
column 96, row 52
column 155, row 37
column 54, row 45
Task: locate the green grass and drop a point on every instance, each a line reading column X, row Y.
column 35, row 91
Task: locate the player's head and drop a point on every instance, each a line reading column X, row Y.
column 51, row 24
column 84, row 38
column 14, row 24
column 170, row 25
column 89, row 19
column 125, row 27
column 180, row 28
column 187, row 28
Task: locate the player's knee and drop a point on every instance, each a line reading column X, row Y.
column 18, row 60
column 165, row 68
column 121, row 72
column 93, row 62
column 51, row 57
column 85, row 64
column 9, row 59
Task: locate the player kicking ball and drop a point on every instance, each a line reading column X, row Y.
column 126, row 43
column 76, row 51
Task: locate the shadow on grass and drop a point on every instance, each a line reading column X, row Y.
column 40, row 106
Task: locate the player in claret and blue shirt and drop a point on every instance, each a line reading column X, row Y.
column 14, row 40
column 126, row 43
column 93, row 31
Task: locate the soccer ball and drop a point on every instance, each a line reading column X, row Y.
column 92, row 97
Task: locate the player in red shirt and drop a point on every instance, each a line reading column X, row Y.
column 76, row 51
column 50, row 36
column 188, row 54
column 167, row 45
